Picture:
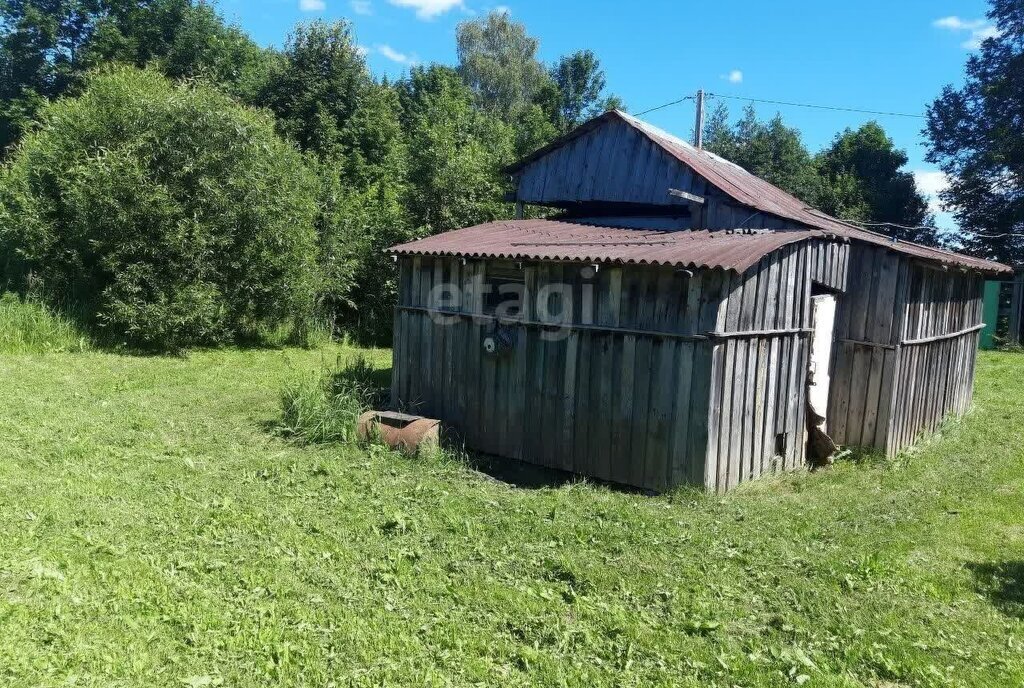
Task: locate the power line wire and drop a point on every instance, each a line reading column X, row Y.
column 938, row 230
column 833, row 108
column 838, row 109
column 893, row 224
column 1015, row 235
column 662, row 107
column 817, row 107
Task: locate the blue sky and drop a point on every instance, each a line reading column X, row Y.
column 892, row 55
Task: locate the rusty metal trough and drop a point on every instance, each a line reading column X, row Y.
column 408, row 434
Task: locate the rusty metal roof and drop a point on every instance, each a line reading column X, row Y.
column 750, row 190
column 562, row 240
column 935, row 255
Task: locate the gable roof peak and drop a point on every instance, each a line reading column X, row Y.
column 749, row 190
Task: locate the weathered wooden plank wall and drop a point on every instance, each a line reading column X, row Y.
column 864, row 354
column 934, row 377
column 721, row 213
column 622, row 396
column 616, row 163
column 759, row 373
column 612, row 164
column 904, row 357
column 830, row 263
column 670, row 377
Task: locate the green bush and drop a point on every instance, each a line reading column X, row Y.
column 168, row 214
column 27, row 326
column 327, row 409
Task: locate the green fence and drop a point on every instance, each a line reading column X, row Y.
column 991, row 314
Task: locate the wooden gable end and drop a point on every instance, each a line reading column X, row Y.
column 615, row 163
column 611, row 163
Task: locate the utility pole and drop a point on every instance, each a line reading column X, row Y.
column 698, row 129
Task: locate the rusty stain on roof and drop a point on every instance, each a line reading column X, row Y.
column 562, row 240
column 750, row 190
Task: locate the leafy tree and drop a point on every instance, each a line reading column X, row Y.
column 185, row 39
column 719, row 137
column 370, row 213
column 327, row 102
column 39, row 46
column 498, row 61
column 316, row 86
column 170, row 215
column 769, row 150
column 863, row 178
column 47, row 46
column 456, row 151
column 580, row 84
column 977, row 138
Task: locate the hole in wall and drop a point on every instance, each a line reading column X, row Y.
column 781, row 443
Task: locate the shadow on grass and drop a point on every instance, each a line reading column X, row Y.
column 521, row 474
column 1002, row 583
column 517, row 473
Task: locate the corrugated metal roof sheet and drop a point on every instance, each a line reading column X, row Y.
column 571, row 241
column 935, row 255
column 752, row 191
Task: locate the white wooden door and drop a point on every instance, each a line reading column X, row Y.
column 824, row 310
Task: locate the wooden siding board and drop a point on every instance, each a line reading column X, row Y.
column 713, row 451
column 639, row 447
column 582, row 446
column 665, row 366
column 751, row 419
column 680, row 454
column 518, row 408
column 556, row 350
column 760, row 417
column 611, row 161
column 726, row 432
column 427, row 344
column 534, row 427
column 800, row 417
column 609, row 376
column 771, row 404
column 622, row 469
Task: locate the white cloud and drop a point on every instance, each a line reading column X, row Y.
column 312, row 5
column 957, row 24
column 931, row 183
column 393, row 55
column 361, row 7
column 734, row 77
column 978, row 28
column 978, row 37
column 428, row 9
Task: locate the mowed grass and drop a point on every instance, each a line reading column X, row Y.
column 156, row 531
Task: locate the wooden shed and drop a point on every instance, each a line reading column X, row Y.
column 677, row 320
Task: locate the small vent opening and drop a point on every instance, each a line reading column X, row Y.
column 781, row 444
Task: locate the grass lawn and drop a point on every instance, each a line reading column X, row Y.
column 154, row 531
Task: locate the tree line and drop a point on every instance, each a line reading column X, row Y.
column 859, row 177
column 113, row 116
column 172, row 183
